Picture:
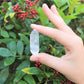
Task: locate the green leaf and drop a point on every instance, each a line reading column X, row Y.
column 22, row 1
column 17, row 26
column 2, row 64
column 55, row 82
column 9, row 27
column 4, row 75
column 42, row 15
column 9, row 60
column 70, row 17
column 6, row 40
column 24, row 38
column 12, row 46
column 40, row 77
column 5, row 17
column 1, row 18
column 73, row 5
column 43, row 49
column 27, row 50
column 48, row 74
column 61, row 13
column 12, row 34
column 60, row 3
column 5, row 5
column 29, row 79
column 24, row 64
column 10, row 4
column 80, row 8
column 21, row 82
column 19, row 74
column 5, row 52
column 20, row 47
column 27, row 23
column 10, row 79
column 4, row 34
column 64, row 8
column 32, row 70
column 10, row 7
column 80, row 30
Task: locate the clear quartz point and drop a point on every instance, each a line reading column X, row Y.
column 34, row 42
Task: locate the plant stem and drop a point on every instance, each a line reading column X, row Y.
column 80, row 25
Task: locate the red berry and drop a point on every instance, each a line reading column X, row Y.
column 36, row 65
column 4, row 10
column 17, row 6
column 26, row 7
column 16, row 16
column 23, row 19
column 46, row 77
column 19, row 11
column 30, row 11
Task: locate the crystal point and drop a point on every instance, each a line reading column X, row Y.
column 34, row 42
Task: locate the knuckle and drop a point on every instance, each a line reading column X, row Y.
column 79, row 40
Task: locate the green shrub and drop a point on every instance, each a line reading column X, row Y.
column 15, row 44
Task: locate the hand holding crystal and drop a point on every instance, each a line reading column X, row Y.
column 72, row 63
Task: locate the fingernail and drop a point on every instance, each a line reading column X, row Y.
column 34, row 58
column 33, row 25
column 44, row 5
column 53, row 5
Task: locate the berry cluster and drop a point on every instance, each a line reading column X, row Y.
column 56, row 74
column 38, row 65
column 28, row 11
column 66, row 81
column 31, row 3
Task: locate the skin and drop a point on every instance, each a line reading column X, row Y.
column 72, row 63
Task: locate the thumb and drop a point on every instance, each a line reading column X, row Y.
column 51, row 61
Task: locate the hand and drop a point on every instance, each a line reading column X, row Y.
column 72, row 63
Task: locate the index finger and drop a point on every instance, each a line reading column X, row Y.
column 62, row 37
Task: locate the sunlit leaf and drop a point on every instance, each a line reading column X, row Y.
column 5, row 5
column 31, row 70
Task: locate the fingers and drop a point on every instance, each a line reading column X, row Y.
column 53, row 9
column 56, row 19
column 58, row 22
column 51, row 61
column 63, row 38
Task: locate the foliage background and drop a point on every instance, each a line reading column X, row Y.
column 15, row 43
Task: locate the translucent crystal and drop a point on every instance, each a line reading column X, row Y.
column 34, row 42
